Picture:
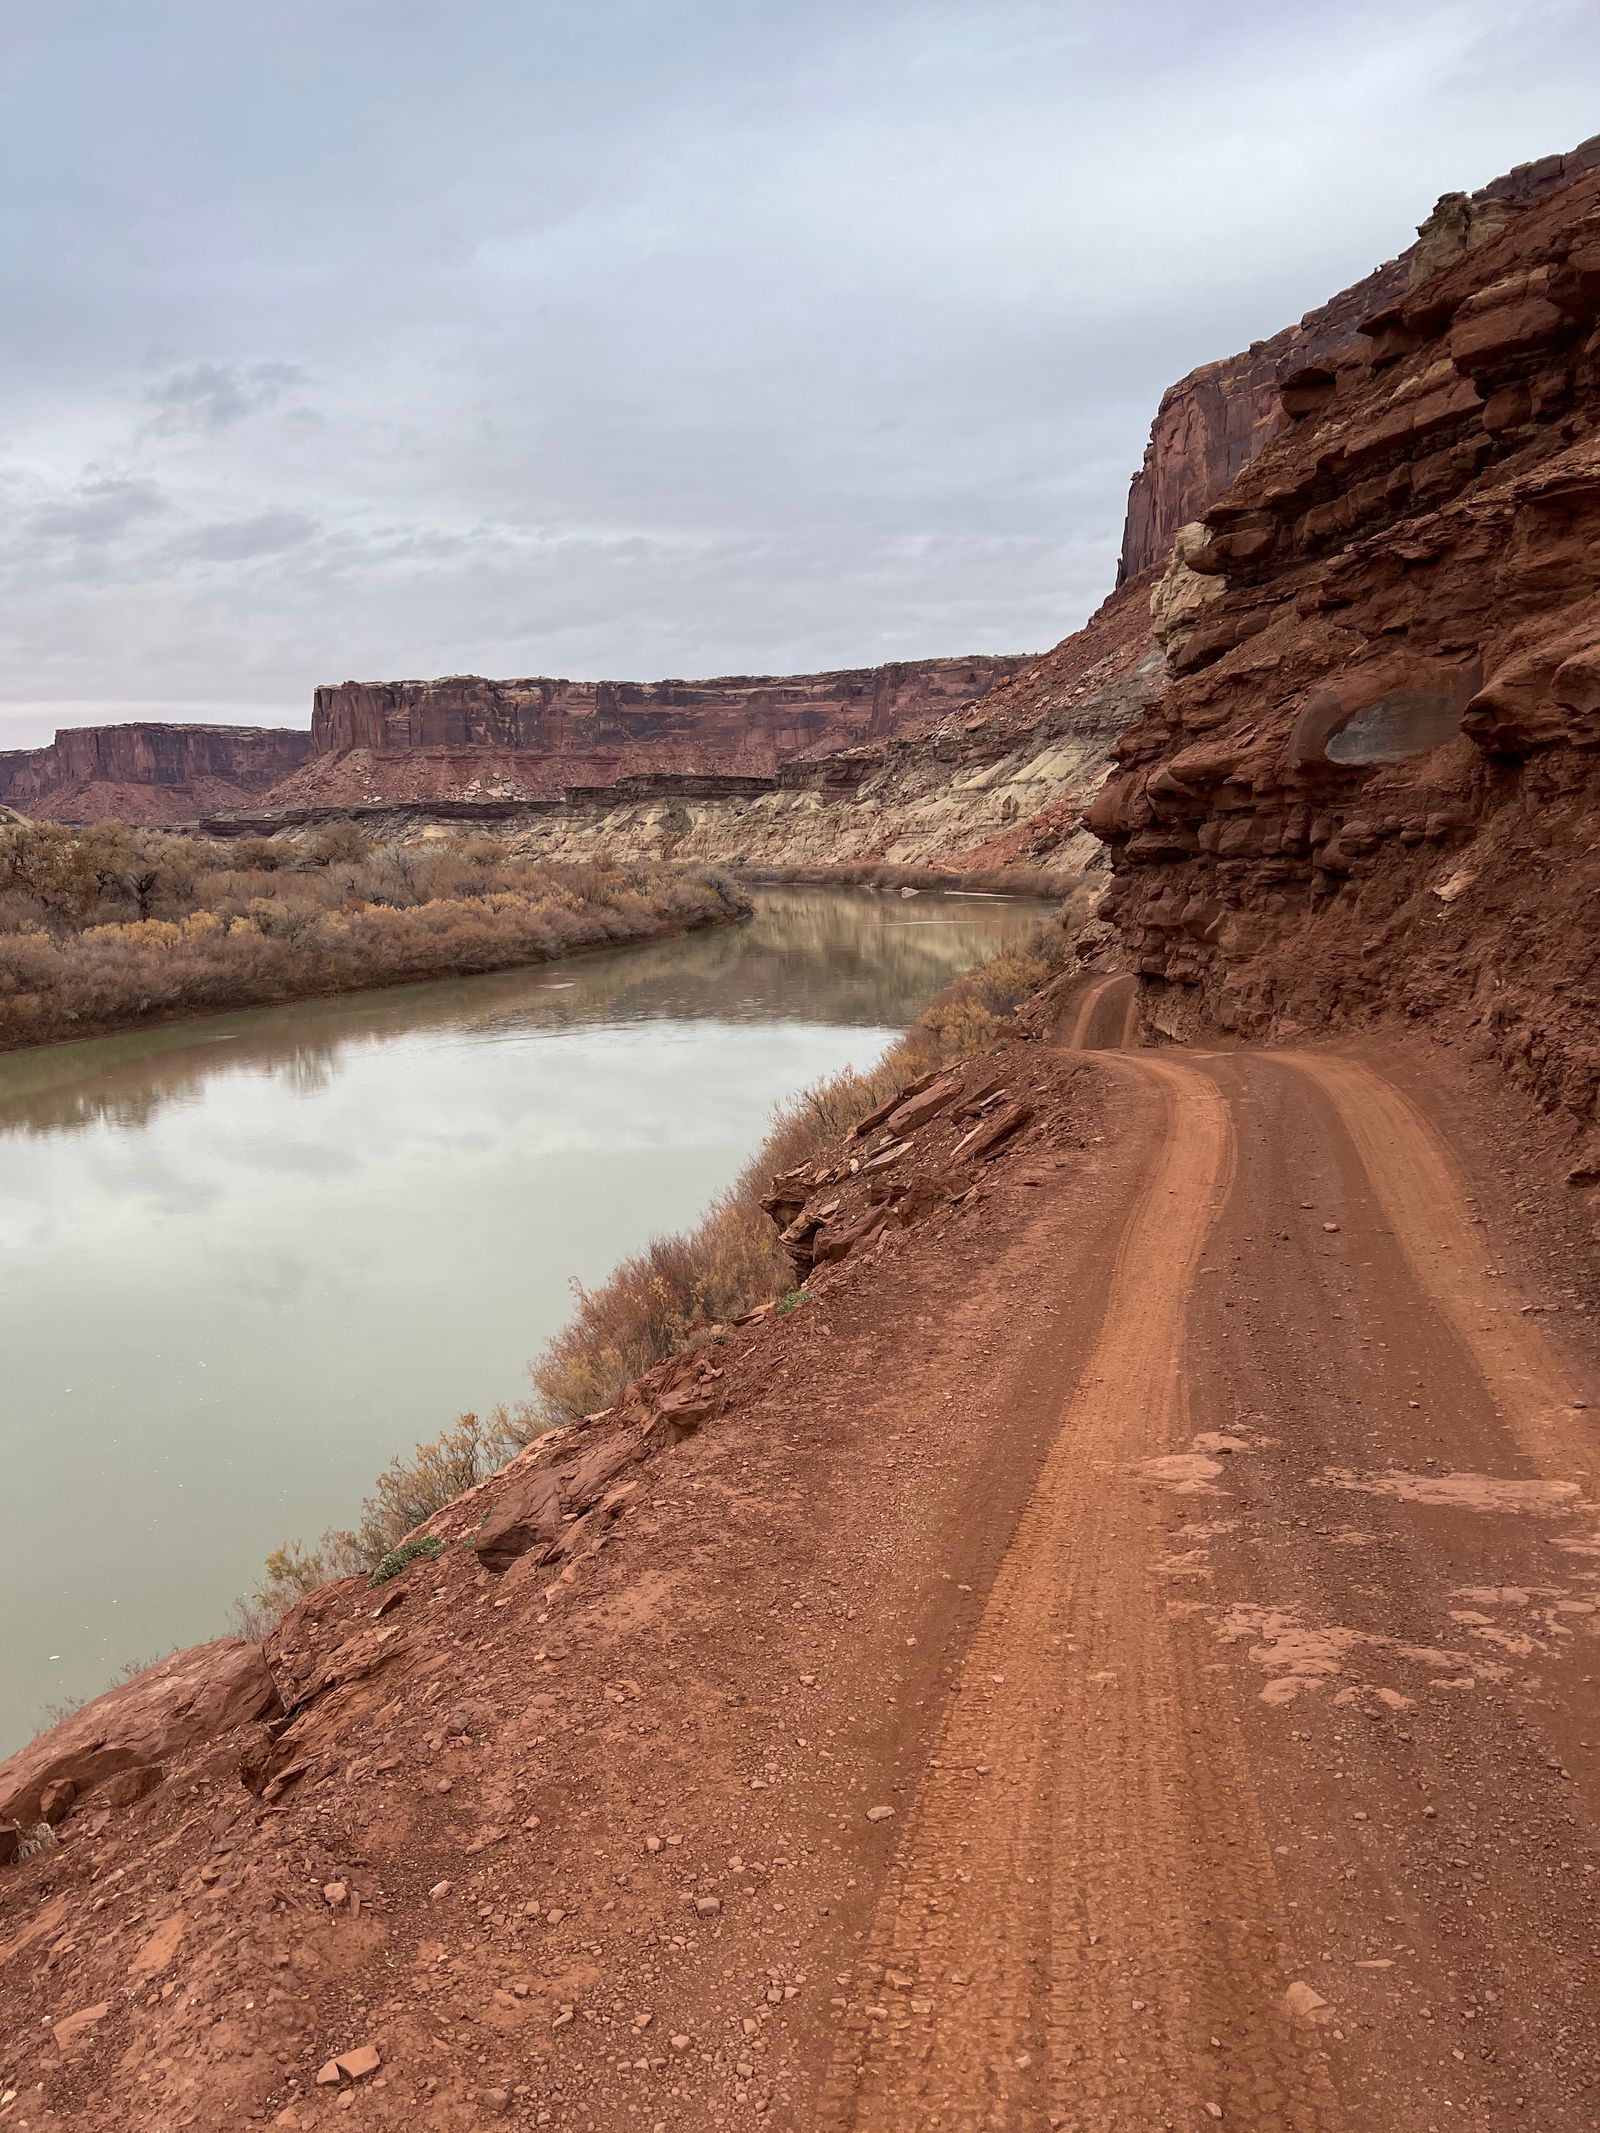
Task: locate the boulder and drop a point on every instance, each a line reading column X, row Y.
column 917, row 1110
column 55, row 1802
column 527, row 1514
column 839, row 1239
column 877, row 1115
column 186, row 1700
column 534, row 1512
column 72, row 2032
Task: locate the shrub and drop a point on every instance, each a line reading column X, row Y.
column 407, row 1492
column 106, row 926
column 411, row 1490
column 396, row 1560
column 290, row 1573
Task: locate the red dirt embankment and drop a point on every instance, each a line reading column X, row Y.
column 1120, row 1652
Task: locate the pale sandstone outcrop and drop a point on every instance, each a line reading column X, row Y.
column 1001, row 782
column 1182, row 591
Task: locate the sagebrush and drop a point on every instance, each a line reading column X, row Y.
column 108, row 925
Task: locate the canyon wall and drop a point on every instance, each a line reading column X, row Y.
column 466, row 743
column 149, row 774
column 1373, row 784
column 466, row 739
column 758, row 719
column 997, row 783
column 1213, row 422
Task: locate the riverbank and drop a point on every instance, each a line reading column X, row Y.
column 314, row 1234
column 948, row 881
column 683, row 1290
column 110, row 928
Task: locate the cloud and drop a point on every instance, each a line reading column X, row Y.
column 241, row 540
column 102, row 508
column 214, row 396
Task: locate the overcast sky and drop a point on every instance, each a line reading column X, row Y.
column 634, row 338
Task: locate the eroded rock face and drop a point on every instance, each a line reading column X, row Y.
column 764, row 717
column 465, row 737
column 1374, row 784
column 139, row 1727
column 465, row 740
column 1212, row 423
column 149, row 774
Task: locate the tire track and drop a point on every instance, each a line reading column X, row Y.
column 1082, row 1899
column 1105, row 1016
column 1422, row 1192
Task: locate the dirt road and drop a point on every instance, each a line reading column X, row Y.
column 1268, row 1790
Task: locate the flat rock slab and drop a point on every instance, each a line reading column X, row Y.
column 191, row 1697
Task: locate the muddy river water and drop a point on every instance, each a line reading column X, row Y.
column 244, row 1261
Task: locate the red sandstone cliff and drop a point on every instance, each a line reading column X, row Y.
column 1374, row 783
column 465, row 738
column 149, row 774
column 1214, row 422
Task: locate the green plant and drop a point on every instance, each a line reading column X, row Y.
column 793, row 1301
column 408, row 1551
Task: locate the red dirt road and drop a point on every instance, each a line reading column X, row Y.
column 1193, row 1541
column 1266, row 1792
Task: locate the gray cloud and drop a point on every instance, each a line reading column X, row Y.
column 99, row 509
column 628, row 340
column 214, row 396
column 241, row 540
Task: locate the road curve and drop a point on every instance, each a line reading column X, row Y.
column 1103, row 1016
column 1265, row 1792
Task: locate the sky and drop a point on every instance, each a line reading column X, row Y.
column 627, row 339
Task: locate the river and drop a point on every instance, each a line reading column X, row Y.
column 246, row 1260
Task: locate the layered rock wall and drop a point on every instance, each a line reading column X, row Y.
column 466, row 742
column 148, row 773
column 1214, row 422
column 465, row 737
column 1373, row 786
